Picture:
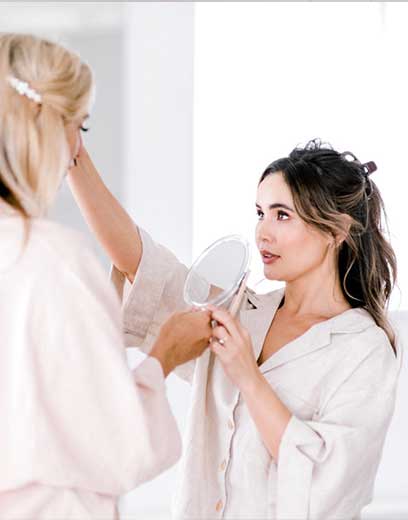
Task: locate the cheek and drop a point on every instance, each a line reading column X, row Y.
column 308, row 250
column 257, row 230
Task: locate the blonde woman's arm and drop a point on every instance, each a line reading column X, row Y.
column 108, row 220
column 156, row 276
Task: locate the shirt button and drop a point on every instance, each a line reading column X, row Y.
column 223, row 465
column 218, row 506
column 230, row 424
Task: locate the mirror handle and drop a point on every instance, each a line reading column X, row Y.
column 236, row 302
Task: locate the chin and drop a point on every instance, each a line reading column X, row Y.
column 274, row 277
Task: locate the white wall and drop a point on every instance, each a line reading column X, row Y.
column 158, row 182
column 158, row 89
column 271, row 75
column 104, row 141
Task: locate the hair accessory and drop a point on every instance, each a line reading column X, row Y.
column 369, row 167
column 348, row 156
column 24, row 89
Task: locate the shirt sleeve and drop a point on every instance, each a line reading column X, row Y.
column 327, row 466
column 155, row 294
column 95, row 424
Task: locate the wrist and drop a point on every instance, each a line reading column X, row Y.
column 161, row 351
column 250, row 385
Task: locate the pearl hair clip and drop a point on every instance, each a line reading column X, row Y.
column 24, row 89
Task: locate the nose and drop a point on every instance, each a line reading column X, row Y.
column 264, row 233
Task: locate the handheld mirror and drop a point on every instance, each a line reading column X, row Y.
column 219, row 274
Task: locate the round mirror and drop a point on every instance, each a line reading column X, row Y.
column 217, row 273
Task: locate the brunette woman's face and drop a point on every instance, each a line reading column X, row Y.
column 289, row 247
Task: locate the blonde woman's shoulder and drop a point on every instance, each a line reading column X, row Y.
column 66, row 249
column 51, row 251
column 57, row 235
column 54, row 243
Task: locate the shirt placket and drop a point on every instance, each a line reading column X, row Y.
column 224, row 464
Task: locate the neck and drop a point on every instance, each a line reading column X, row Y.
column 316, row 293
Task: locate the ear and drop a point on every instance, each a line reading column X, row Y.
column 340, row 237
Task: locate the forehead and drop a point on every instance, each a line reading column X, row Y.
column 274, row 189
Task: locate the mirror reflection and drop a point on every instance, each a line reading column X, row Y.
column 216, row 274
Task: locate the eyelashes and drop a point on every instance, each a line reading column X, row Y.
column 83, row 129
column 280, row 215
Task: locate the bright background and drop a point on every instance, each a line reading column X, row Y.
column 194, row 100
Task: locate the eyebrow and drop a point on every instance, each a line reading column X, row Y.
column 275, row 206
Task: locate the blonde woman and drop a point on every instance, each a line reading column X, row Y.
column 292, row 403
column 78, row 427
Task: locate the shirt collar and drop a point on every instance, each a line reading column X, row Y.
column 258, row 314
column 352, row 320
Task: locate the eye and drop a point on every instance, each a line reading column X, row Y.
column 83, row 129
column 260, row 214
column 282, row 215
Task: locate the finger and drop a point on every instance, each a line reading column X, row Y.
column 73, row 164
column 221, row 333
column 82, row 149
column 83, row 159
column 220, row 312
column 204, row 318
column 225, row 319
column 219, row 350
column 196, row 310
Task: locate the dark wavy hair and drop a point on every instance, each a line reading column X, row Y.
column 326, row 185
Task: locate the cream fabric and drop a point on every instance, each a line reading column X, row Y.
column 78, row 427
column 338, row 379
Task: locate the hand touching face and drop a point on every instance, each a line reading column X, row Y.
column 74, row 139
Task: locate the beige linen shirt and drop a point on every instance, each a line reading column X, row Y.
column 338, row 379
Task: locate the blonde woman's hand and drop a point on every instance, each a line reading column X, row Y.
column 232, row 344
column 82, row 161
column 183, row 336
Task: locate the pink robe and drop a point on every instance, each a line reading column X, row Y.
column 78, row 427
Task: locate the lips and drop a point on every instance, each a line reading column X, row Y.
column 268, row 257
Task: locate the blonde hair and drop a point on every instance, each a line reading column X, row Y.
column 34, row 151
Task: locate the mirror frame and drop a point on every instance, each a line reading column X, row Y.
column 225, row 295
